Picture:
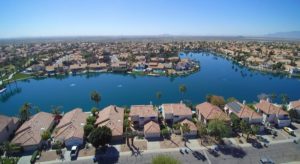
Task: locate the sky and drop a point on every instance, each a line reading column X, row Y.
column 43, row 18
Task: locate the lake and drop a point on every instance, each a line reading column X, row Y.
column 217, row 75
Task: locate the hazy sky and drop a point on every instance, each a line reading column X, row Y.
column 33, row 18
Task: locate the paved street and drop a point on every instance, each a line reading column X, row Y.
column 281, row 152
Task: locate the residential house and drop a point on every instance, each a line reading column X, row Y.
column 28, row 136
column 50, row 70
column 78, row 67
column 192, row 127
column 142, row 114
column 207, row 112
column 120, row 66
column 152, row 130
column 70, row 128
column 8, row 125
column 295, row 105
column 272, row 113
column 97, row 66
column 174, row 113
column 243, row 112
column 112, row 117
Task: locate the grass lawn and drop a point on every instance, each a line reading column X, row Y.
column 20, row 76
column 11, row 160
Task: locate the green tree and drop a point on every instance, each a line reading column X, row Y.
column 218, row 129
column 56, row 111
column 96, row 97
column 284, row 98
column 245, row 127
column 10, row 148
column 24, row 113
column 182, row 89
column 88, row 128
column 231, row 99
column 201, row 129
column 100, row 136
column 254, row 129
column 46, row 135
column 90, row 120
column 216, row 100
column 235, row 122
column 164, row 159
column 273, row 96
column 165, row 133
column 94, row 111
column 185, row 128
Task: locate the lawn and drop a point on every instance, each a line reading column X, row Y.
column 20, row 76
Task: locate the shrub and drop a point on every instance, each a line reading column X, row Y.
column 34, row 155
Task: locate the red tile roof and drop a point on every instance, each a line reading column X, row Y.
column 143, row 111
column 112, row 117
column 270, row 108
column 71, row 125
column 177, row 109
column 151, row 127
column 209, row 112
column 30, row 132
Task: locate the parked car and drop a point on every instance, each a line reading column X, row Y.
column 181, row 151
column 186, row 151
column 213, row 152
column 265, row 160
column 74, row 152
column 289, row 130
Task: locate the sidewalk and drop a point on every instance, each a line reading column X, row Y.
column 153, row 149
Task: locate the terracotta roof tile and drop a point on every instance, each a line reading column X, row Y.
column 177, row 109
column 270, row 108
column 112, row 117
column 143, row 111
column 209, row 111
column 151, row 127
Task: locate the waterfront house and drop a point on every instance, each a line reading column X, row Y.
column 112, row 117
column 97, row 66
column 243, row 112
column 152, row 130
column 272, row 114
column 294, row 105
column 174, row 113
column 50, row 70
column 70, row 128
column 207, row 112
column 78, row 67
column 142, row 114
column 28, row 136
column 173, row 59
column 192, row 127
column 120, row 66
column 8, row 126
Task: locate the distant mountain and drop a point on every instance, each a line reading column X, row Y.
column 285, row 35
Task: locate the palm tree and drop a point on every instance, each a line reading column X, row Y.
column 185, row 128
column 273, row 96
column 182, row 89
column 56, row 111
column 96, row 97
column 284, row 98
column 24, row 112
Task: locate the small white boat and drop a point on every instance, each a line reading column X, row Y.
column 2, row 90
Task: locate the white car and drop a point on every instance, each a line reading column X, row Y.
column 74, row 152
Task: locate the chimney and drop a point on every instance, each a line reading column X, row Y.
column 115, row 108
column 181, row 102
column 150, row 102
column 268, row 100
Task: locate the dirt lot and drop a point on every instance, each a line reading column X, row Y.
column 87, row 152
column 175, row 141
column 140, row 145
column 49, row 156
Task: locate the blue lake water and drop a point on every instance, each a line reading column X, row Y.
column 217, row 76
